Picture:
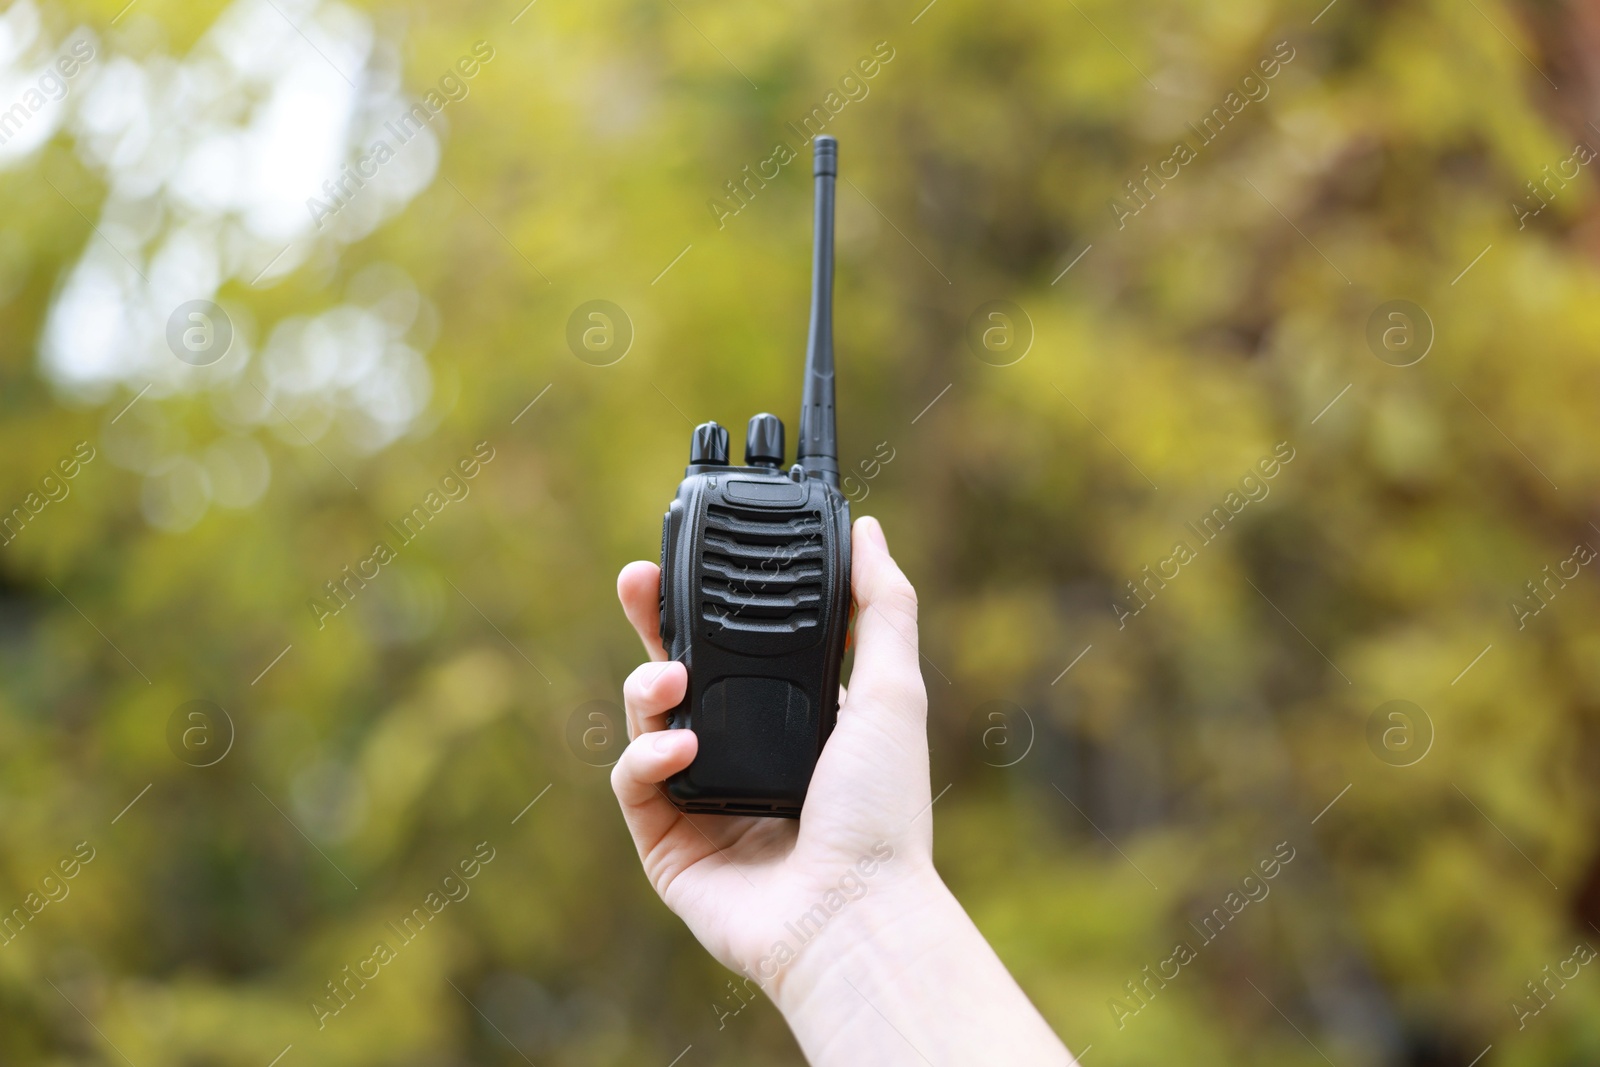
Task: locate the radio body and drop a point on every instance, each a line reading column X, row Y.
column 755, row 595
column 755, row 584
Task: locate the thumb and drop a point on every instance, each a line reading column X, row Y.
column 886, row 664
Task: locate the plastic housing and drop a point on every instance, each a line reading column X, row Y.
column 755, row 598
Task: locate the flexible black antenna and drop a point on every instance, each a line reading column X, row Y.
column 818, row 451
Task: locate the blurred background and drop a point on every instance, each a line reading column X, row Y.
column 1224, row 376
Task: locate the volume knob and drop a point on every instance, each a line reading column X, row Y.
column 710, row 445
column 763, row 444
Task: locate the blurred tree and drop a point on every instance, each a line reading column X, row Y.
column 1184, row 316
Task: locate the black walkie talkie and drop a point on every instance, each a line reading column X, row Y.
column 755, row 583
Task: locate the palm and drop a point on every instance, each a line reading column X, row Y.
column 737, row 881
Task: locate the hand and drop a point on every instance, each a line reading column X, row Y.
column 840, row 918
column 746, row 886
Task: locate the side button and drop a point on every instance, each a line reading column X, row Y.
column 661, row 589
column 671, row 525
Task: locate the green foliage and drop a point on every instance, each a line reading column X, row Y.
column 1225, row 315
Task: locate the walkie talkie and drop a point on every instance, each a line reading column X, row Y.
column 755, row 583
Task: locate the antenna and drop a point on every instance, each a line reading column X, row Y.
column 818, row 450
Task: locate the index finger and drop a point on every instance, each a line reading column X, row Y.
column 639, row 589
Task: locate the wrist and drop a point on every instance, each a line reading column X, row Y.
column 903, row 970
column 871, row 938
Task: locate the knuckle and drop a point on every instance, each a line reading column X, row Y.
column 890, row 588
column 901, row 596
column 620, row 776
column 636, row 687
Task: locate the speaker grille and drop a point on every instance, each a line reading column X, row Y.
column 761, row 573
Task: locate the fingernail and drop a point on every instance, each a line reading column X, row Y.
column 874, row 531
column 663, row 742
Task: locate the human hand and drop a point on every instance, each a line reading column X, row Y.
column 746, row 886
